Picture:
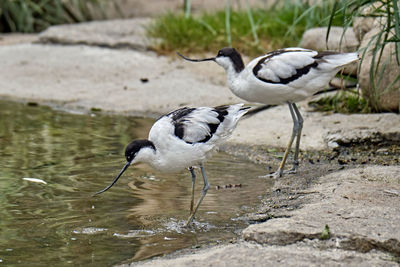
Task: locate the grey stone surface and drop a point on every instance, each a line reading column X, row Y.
column 362, row 25
column 273, row 128
column 354, row 203
column 384, row 90
column 17, row 38
column 250, row 254
column 128, row 33
column 339, row 39
column 83, row 77
column 368, row 19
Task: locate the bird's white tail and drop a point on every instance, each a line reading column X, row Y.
column 239, row 109
column 341, row 59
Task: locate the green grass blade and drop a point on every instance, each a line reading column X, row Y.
column 299, row 18
column 187, row 6
column 207, row 26
column 251, row 20
column 334, row 8
column 228, row 22
column 397, row 27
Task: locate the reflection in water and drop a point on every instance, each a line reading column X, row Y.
column 58, row 222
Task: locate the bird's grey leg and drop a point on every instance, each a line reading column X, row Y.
column 203, row 194
column 296, row 152
column 295, row 130
column 191, row 169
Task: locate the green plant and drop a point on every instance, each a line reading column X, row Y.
column 387, row 15
column 326, row 233
column 37, row 15
column 252, row 31
column 345, row 101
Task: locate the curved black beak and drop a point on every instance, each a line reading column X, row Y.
column 195, row 60
column 115, row 180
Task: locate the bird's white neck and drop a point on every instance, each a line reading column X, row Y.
column 231, row 71
column 146, row 154
column 155, row 158
column 231, row 74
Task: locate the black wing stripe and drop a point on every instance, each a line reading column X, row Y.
column 177, row 117
column 180, row 113
column 222, row 112
column 298, row 74
column 179, row 130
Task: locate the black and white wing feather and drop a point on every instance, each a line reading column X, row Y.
column 292, row 64
column 285, row 65
column 197, row 125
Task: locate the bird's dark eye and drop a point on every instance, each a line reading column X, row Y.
column 131, row 156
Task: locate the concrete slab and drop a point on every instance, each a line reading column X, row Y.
column 128, row 33
column 124, row 81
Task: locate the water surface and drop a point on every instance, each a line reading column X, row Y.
column 55, row 221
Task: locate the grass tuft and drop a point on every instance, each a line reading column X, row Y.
column 252, row 31
column 346, row 102
column 37, row 15
column 326, row 233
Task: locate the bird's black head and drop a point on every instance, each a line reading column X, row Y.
column 135, row 146
column 227, row 52
column 233, row 55
column 131, row 151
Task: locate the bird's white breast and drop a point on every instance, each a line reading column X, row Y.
column 172, row 153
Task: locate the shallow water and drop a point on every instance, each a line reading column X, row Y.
column 53, row 220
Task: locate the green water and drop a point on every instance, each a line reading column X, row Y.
column 60, row 224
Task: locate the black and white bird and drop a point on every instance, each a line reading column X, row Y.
column 282, row 76
column 183, row 139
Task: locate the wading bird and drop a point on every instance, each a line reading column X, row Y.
column 182, row 139
column 282, row 76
